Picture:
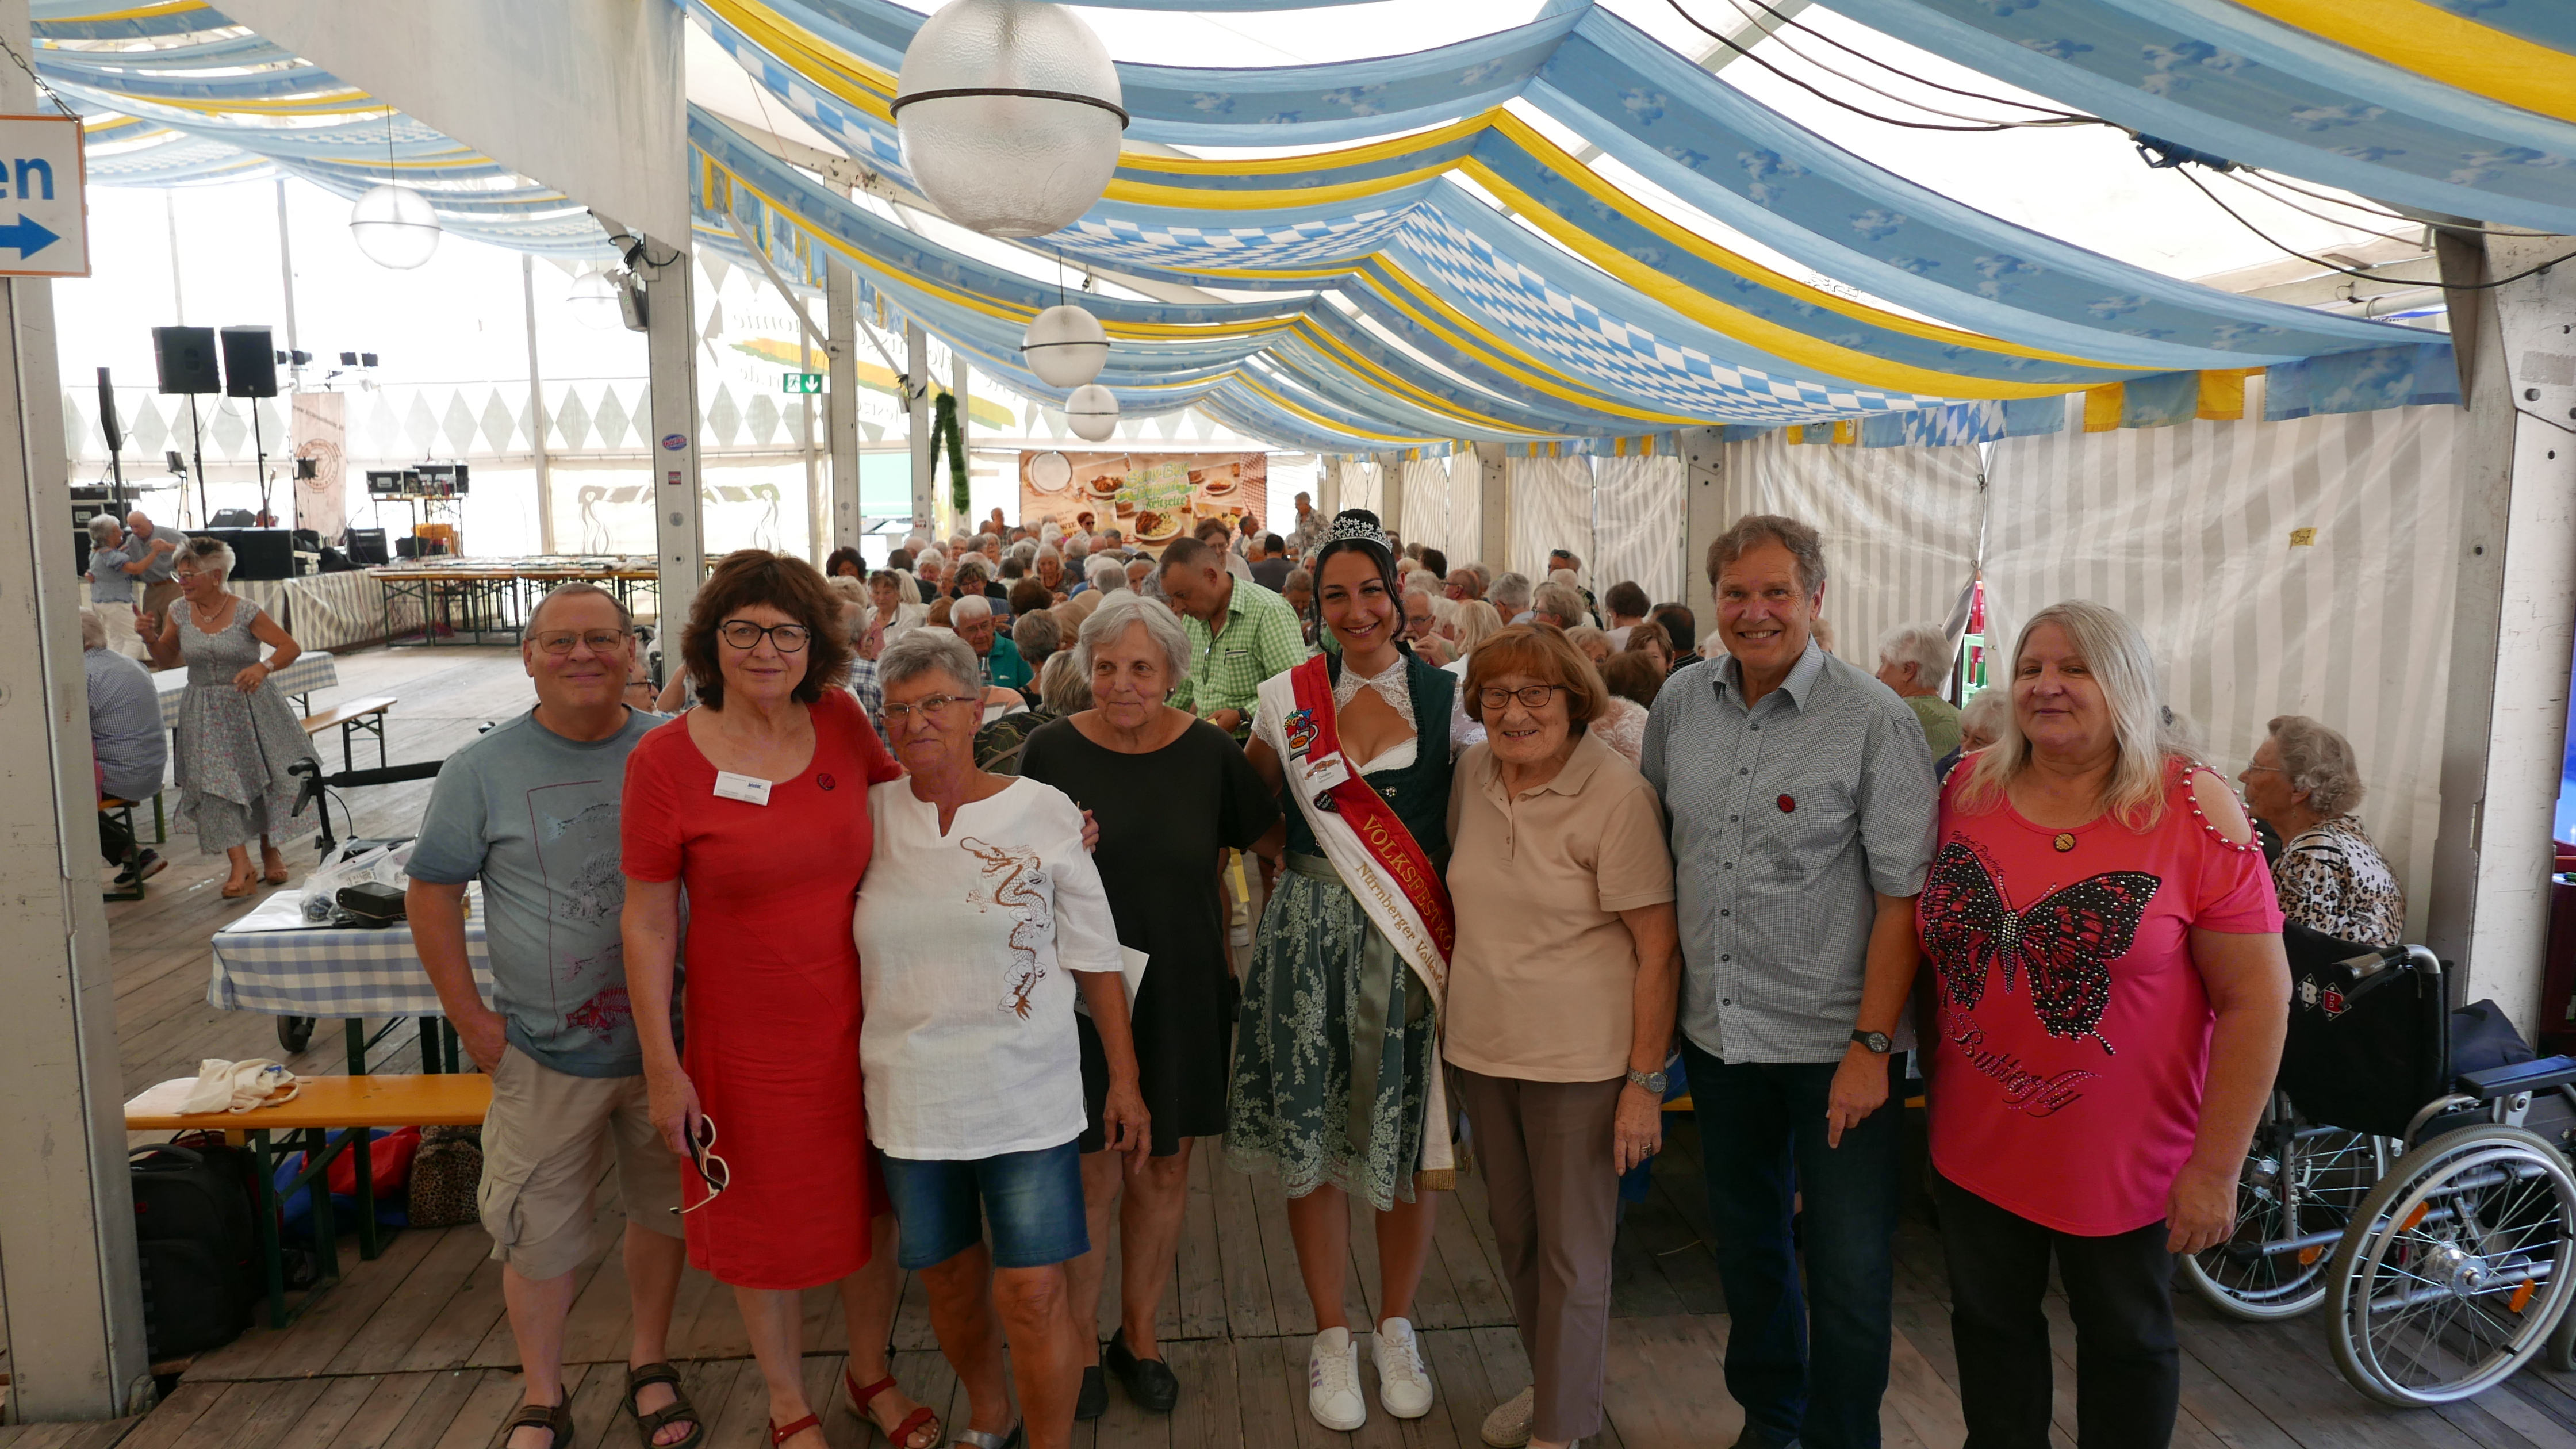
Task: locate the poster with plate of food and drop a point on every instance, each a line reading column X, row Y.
column 1150, row 498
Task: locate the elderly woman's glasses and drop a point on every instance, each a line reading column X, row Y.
column 896, row 714
column 1533, row 696
column 598, row 641
column 711, row 1168
column 746, row 635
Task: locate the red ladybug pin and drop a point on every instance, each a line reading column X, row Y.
column 1788, row 804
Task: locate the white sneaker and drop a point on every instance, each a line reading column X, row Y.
column 1333, row 1381
column 1508, row 1427
column 1403, row 1384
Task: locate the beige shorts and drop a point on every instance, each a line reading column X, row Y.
column 543, row 1148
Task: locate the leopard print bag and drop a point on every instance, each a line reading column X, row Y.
column 446, row 1177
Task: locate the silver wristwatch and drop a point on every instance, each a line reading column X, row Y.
column 1651, row 1081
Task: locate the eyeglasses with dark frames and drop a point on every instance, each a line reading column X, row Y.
column 1532, row 696
column 745, row 635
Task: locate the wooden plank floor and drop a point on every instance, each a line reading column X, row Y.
column 411, row 1351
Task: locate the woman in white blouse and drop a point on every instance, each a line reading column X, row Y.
column 980, row 921
column 898, row 612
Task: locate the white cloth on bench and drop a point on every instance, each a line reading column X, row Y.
column 224, row 1086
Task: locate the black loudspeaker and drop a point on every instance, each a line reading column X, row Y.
column 258, row 553
column 250, row 363
column 186, row 357
column 367, row 546
column 108, row 424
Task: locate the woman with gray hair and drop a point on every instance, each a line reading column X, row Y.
column 1172, row 793
column 2305, row 783
column 897, row 610
column 237, row 737
column 2106, row 961
column 981, row 919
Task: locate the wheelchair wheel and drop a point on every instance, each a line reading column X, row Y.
column 2450, row 1277
column 2299, row 1188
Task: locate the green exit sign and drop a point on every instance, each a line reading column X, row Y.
column 801, row 382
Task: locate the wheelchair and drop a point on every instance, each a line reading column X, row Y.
column 2457, row 1266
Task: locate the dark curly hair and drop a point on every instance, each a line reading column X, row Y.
column 840, row 556
column 784, row 582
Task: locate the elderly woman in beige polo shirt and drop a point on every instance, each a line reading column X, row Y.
column 1562, row 991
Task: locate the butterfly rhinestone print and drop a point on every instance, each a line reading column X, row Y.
column 2063, row 944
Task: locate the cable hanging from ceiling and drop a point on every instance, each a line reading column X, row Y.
column 1731, row 43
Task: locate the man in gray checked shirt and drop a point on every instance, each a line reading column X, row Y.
column 1802, row 805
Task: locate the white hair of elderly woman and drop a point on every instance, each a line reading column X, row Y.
column 1985, row 712
column 2144, row 732
column 1106, row 573
column 207, row 556
column 1064, row 685
column 1025, row 551
column 93, row 629
column 1510, row 593
column 1565, row 577
column 2319, row 760
column 102, row 528
column 931, row 651
column 1925, row 646
column 1116, row 616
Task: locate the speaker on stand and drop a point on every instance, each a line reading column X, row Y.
column 250, row 371
column 114, row 430
column 185, row 357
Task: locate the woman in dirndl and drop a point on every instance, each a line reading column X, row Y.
column 1336, row 1077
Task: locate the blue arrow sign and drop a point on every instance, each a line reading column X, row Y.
column 28, row 237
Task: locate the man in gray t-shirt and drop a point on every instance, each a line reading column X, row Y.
column 531, row 809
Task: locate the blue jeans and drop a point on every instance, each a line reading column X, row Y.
column 1033, row 1201
column 1762, row 1139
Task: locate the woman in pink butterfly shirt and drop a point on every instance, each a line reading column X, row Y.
column 2111, row 997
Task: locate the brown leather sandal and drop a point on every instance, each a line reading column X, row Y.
column 679, row 1410
column 555, row 1419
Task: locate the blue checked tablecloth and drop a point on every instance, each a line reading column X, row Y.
column 311, row 671
column 326, row 972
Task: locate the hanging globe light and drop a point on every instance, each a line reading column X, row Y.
column 1093, row 412
column 394, row 226
column 593, row 299
column 1065, row 346
column 1010, row 114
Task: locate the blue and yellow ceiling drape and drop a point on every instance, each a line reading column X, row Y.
column 1400, row 308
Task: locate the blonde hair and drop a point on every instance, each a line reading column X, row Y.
column 2142, row 728
column 1477, row 622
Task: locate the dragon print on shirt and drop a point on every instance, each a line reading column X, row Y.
column 2065, row 942
column 1019, row 885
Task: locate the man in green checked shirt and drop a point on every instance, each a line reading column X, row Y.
column 1240, row 634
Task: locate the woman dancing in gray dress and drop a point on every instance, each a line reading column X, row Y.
column 236, row 734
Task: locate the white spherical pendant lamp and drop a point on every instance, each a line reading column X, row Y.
column 1065, row 346
column 395, row 227
column 1010, row 114
column 1093, row 412
column 593, row 299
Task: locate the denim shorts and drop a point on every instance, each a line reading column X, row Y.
column 1033, row 1199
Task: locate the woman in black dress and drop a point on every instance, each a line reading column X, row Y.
column 1172, row 794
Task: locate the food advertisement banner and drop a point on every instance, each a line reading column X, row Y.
column 1150, row 498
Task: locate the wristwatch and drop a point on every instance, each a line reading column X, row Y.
column 1651, row 1081
column 1877, row 1041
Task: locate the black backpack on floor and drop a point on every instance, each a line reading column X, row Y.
column 199, row 1245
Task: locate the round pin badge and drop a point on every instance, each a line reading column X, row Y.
column 1788, row 804
column 2065, row 841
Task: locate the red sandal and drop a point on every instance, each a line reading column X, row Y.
column 778, row 1436
column 901, row 1438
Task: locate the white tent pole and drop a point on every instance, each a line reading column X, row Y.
column 1494, row 509
column 75, row 1296
column 671, row 326
column 1390, row 497
column 286, row 275
column 537, row 408
column 841, row 400
column 1704, row 514
column 916, row 348
column 2512, row 629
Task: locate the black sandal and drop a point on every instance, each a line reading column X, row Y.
column 678, row 1410
column 555, row 1419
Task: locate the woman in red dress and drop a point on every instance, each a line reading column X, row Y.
column 756, row 802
